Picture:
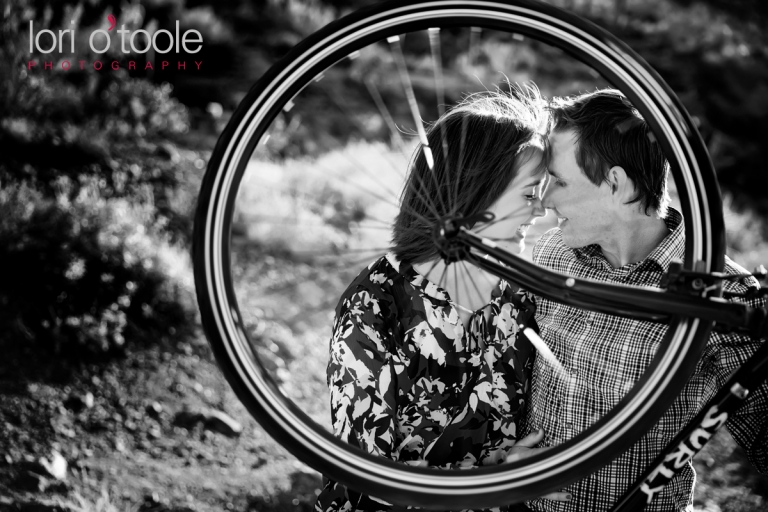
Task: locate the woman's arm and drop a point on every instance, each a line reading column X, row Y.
column 362, row 381
column 362, row 377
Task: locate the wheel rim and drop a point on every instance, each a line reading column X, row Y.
column 485, row 486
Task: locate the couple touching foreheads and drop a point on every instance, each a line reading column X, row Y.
column 419, row 377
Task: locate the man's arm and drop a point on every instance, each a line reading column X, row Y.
column 749, row 425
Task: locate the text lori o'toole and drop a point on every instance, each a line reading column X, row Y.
column 47, row 41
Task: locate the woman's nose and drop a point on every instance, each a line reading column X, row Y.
column 539, row 210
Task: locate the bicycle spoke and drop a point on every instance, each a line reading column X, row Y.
column 490, row 280
column 390, row 202
column 442, row 276
column 474, row 40
column 342, row 251
column 426, row 200
column 461, row 165
column 445, row 283
column 385, row 200
column 381, row 223
column 544, row 351
column 359, row 165
column 337, row 262
column 483, row 299
column 283, row 221
column 437, row 65
column 474, row 36
column 384, row 112
column 456, row 300
column 405, row 79
column 342, row 106
column 355, row 164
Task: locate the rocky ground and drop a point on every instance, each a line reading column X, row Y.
column 158, row 430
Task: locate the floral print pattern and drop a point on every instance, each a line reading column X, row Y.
column 410, row 383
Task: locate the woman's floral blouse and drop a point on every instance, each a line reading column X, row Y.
column 408, row 383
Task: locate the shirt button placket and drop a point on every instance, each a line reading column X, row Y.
column 570, row 394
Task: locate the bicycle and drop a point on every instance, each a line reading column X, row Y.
column 337, row 48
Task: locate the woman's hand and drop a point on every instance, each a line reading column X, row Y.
column 525, row 448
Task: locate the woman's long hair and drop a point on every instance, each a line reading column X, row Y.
column 487, row 136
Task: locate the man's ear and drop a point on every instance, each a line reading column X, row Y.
column 622, row 188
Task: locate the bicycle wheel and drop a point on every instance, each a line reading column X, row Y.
column 268, row 115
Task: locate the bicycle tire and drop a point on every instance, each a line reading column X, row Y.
column 483, row 487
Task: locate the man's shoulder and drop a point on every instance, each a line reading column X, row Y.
column 733, row 268
column 740, row 286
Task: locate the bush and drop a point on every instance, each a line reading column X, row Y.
column 83, row 274
column 95, row 203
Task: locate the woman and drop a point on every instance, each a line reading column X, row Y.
column 415, row 374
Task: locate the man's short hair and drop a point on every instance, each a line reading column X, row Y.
column 611, row 132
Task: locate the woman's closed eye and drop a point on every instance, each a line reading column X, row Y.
column 535, row 194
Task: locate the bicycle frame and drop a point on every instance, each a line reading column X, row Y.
column 641, row 303
column 648, row 304
column 696, row 434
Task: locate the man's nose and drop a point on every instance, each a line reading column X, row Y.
column 546, row 201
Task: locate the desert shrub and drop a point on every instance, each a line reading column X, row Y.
column 310, row 208
column 82, row 274
column 96, row 200
column 746, row 234
column 127, row 144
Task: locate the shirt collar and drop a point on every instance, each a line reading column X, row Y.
column 417, row 280
column 671, row 248
column 673, row 245
column 431, row 289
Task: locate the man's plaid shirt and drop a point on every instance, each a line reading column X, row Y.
column 604, row 355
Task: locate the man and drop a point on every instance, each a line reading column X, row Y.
column 609, row 190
